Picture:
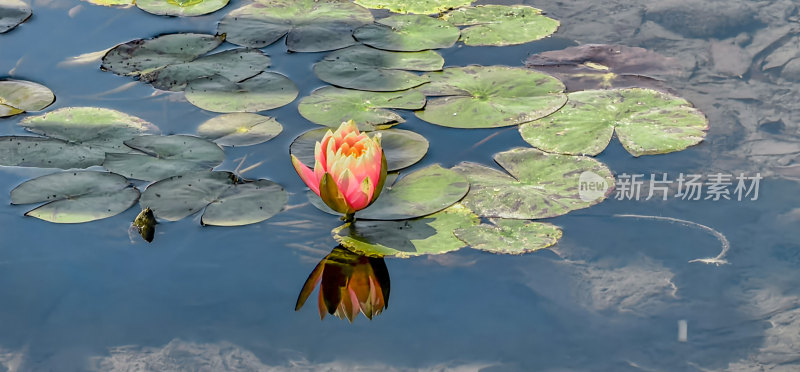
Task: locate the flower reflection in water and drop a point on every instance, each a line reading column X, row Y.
column 350, row 283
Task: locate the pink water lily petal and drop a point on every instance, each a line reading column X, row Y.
column 306, row 174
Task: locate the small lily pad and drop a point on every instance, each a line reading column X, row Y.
column 646, row 122
column 75, row 197
column 159, row 157
column 141, row 56
column 408, row 33
column 537, row 185
column 181, row 8
column 234, row 65
column 364, row 68
column 402, row 148
column 311, row 25
column 227, row 200
column 489, row 97
column 510, row 236
column 12, row 13
column 18, row 96
column 500, row 25
column 240, row 129
column 330, row 106
column 414, row 6
column 265, row 91
column 427, row 235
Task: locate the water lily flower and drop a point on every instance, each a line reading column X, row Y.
column 349, row 171
column 350, row 283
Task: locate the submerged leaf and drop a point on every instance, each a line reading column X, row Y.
column 330, row 106
column 265, row 91
column 240, row 129
column 501, row 24
column 181, row 8
column 144, row 55
column 159, row 157
column 510, row 236
column 414, row 6
column 12, row 13
column 18, row 96
column 408, row 33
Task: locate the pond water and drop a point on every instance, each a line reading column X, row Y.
column 610, row 296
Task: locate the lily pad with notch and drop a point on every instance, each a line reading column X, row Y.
column 181, row 8
column 364, row 68
column 18, row 96
column 12, row 13
column 408, row 33
column 509, row 236
column 225, row 199
column 265, row 91
column 500, row 25
column 310, row 25
column 141, row 56
column 160, row 157
column 240, row 129
column 76, row 197
column 537, row 185
column 330, row 106
column 414, row 6
column 490, row 97
column 234, row 65
column 646, row 122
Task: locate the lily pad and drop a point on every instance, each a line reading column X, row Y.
column 18, row 96
column 12, row 13
column 489, row 97
column 265, row 91
column 427, row 235
column 500, row 25
column 159, row 157
column 75, row 197
column 114, row 3
column 227, row 201
column 311, row 25
column 510, row 236
column 414, row 6
column 408, row 33
column 330, row 106
column 141, row 56
column 364, row 68
column 646, row 122
column 234, row 65
column 537, row 185
column 402, row 148
column 42, row 152
column 181, row 8
column 240, row 129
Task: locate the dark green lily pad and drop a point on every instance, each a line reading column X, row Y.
column 403, row 148
column 364, row 68
column 489, row 97
column 408, row 33
column 234, row 65
column 265, row 91
column 414, row 6
column 311, row 25
column 240, row 129
column 501, row 24
column 159, row 157
column 646, row 122
column 510, row 236
column 75, row 197
column 12, row 13
column 42, row 152
column 537, row 185
column 226, row 201
column 181, row 8
column 427, row 235
column 18, row 96
column 141, row 56
column 330, row 106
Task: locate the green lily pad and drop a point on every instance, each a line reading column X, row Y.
column 75, row 197
column 427, row 235
column 181, row 8
column 12, row 13
column 500, row 25
column 240, row 129
column 234, row 65
column 159, row 157
column 265, row 91
column 364, row 68
column 537, row 185
column 646, row 122
column 330, row 106
column 311, row 25
column 510, row 236
column 489, row 97
column 42, row 152
column 141, row 56
column 226, row 201
column 402, row 148
column 18, row 96
column 414, row 6
column 408, row 33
